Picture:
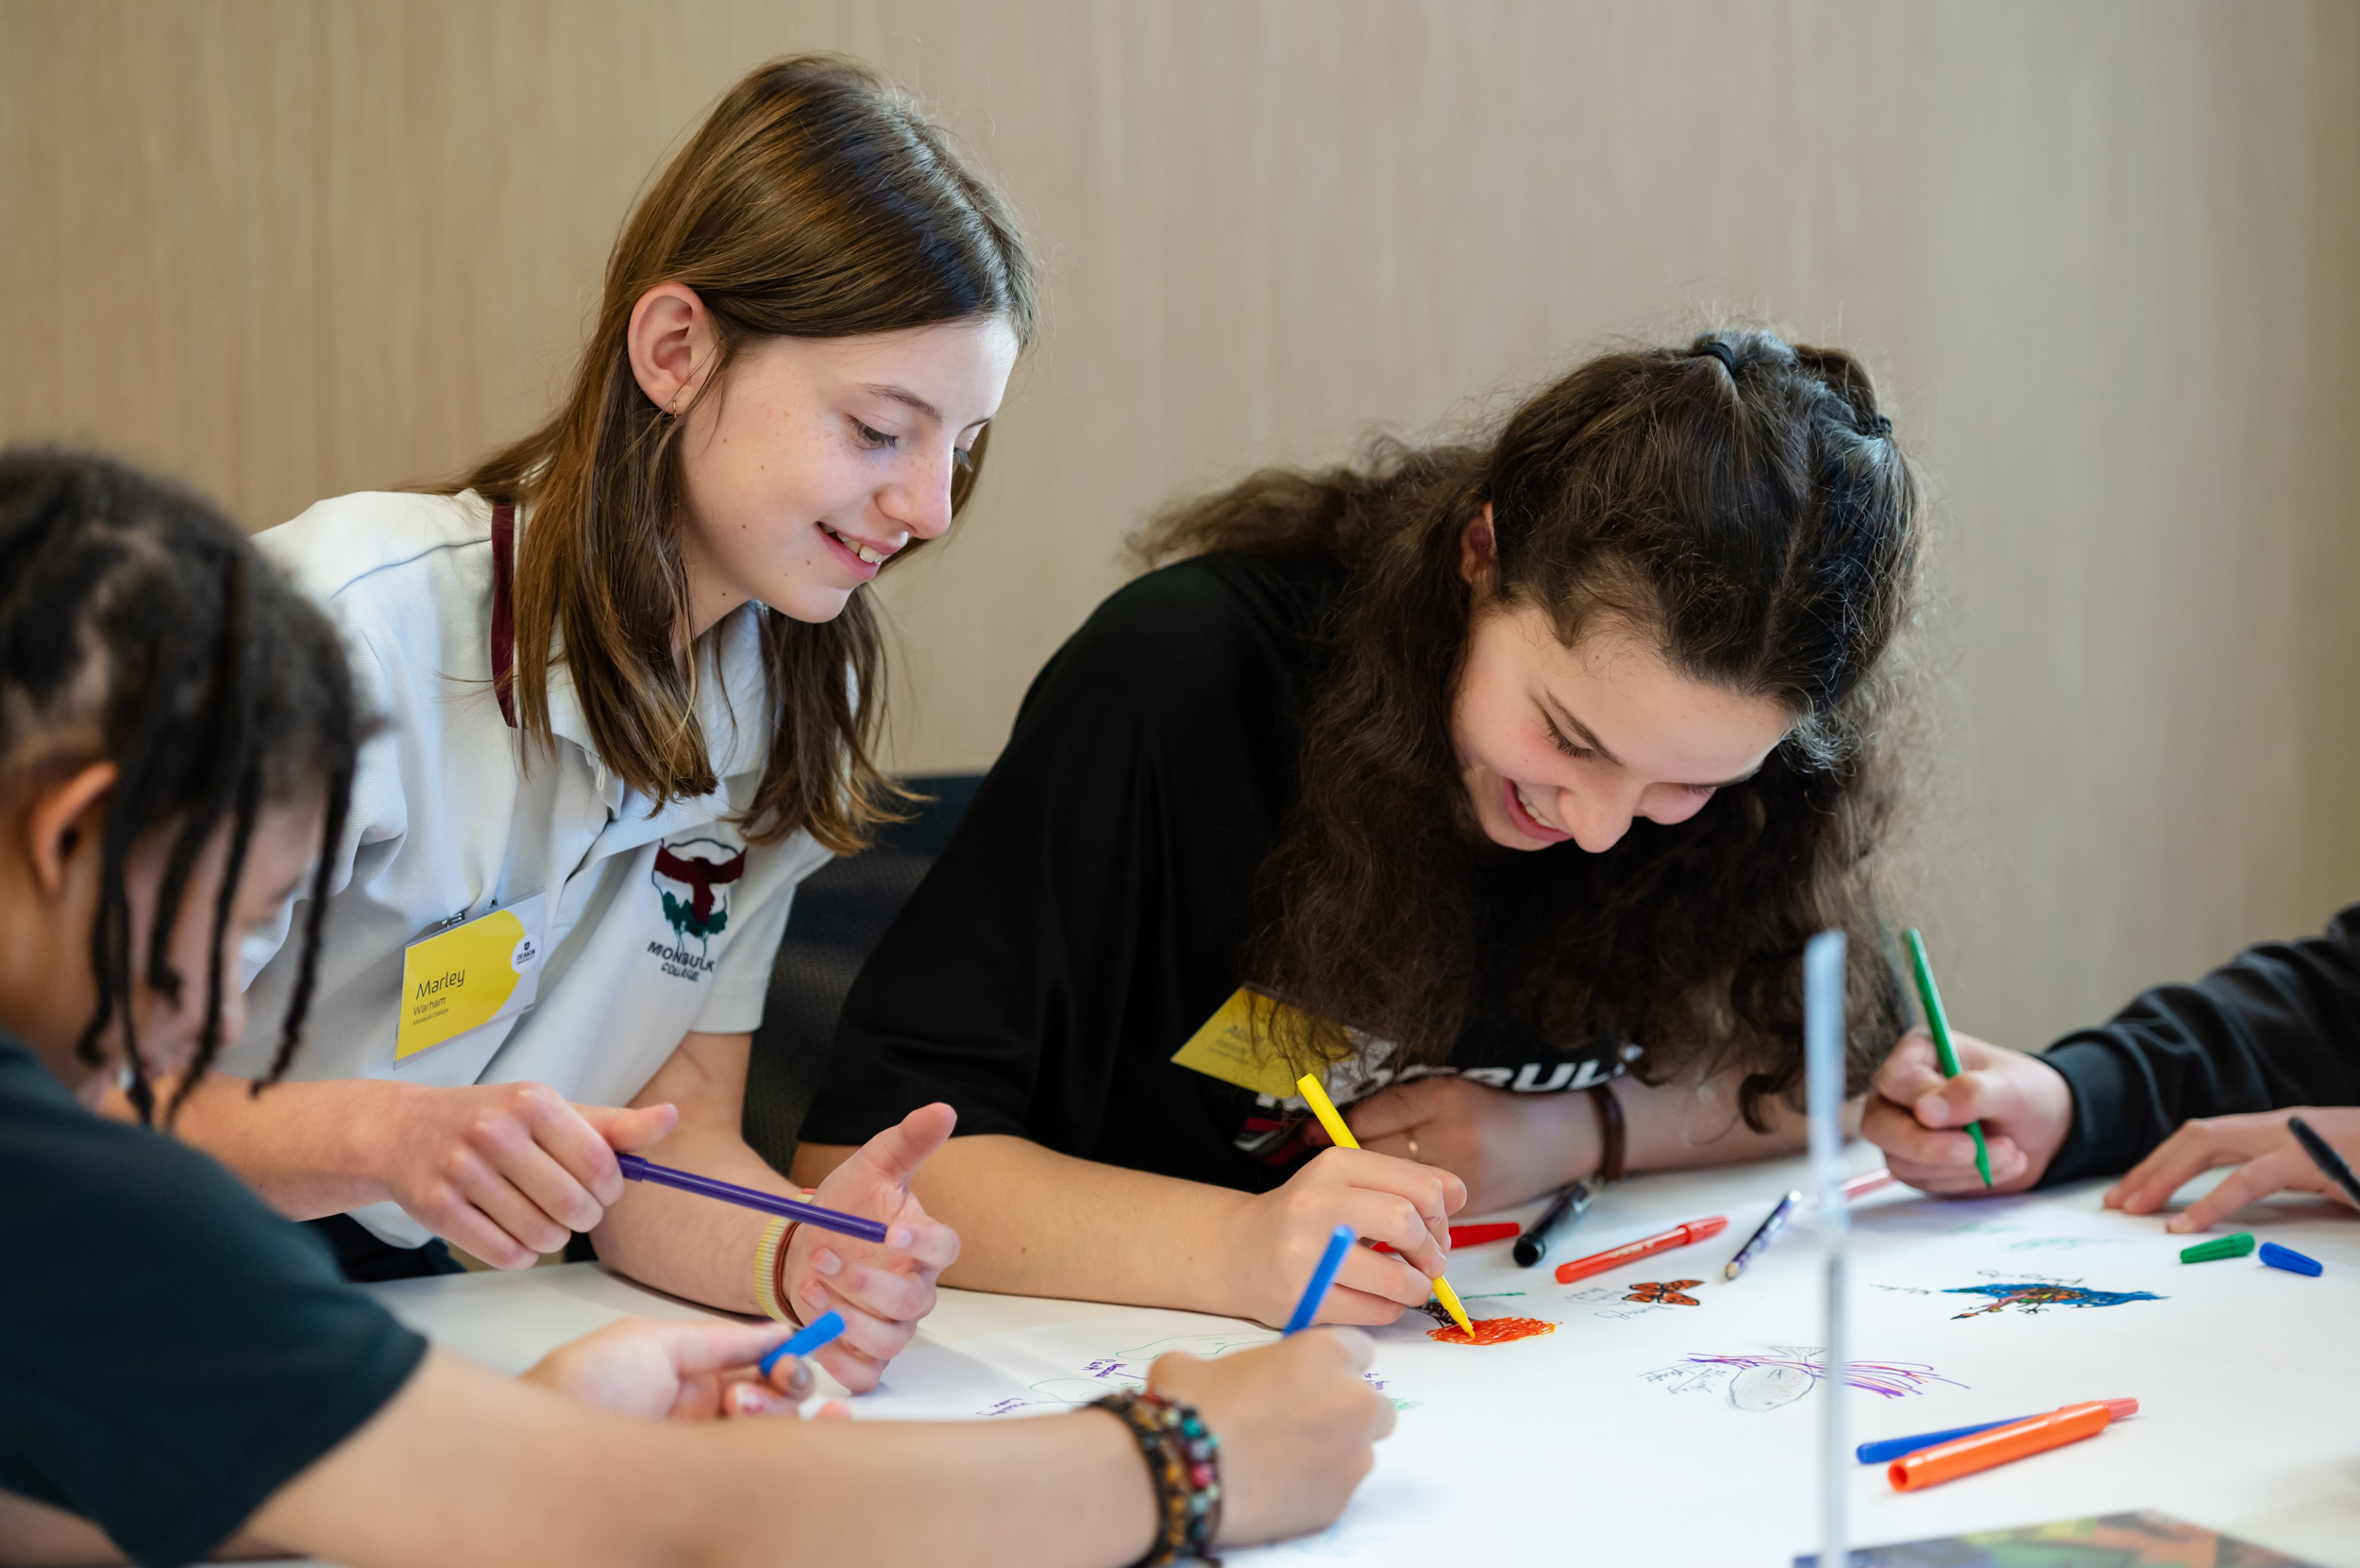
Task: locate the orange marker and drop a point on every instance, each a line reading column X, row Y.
column 1947, row 1461
column 1614, row 1257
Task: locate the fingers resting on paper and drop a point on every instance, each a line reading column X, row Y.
column 2260, row 1145
column 1504, row 1146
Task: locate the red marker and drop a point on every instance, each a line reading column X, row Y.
column 1867, row 1182
column 1471, row 1236
column 1614, row 1257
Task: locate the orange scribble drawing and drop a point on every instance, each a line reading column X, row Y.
column 1493, row 1331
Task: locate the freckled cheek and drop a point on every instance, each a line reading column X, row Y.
column 1488, row 739
column 1670, row 807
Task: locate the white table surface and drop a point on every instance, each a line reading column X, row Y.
column 508, row 1320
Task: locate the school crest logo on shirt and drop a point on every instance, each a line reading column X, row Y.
column 694, row 876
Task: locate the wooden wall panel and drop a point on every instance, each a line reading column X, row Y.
column 159, row 238
column 2099, row 256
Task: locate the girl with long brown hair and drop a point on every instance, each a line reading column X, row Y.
column 631, row 683
column 1469, row 777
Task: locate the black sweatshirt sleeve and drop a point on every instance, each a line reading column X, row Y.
column 2279, row 1025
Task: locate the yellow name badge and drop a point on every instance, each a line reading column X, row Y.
column 459, row 979
column 1225, row 1048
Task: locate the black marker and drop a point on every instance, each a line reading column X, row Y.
column 1534, row 1242
column 2322, row 1154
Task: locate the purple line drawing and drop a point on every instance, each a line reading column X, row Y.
column 1759, row 1383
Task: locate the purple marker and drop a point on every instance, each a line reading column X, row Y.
column 639, row 1170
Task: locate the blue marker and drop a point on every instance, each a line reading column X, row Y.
column 1893, row 1448
column 2288, row 1260
column 823, row 1331
column 1321, row 1277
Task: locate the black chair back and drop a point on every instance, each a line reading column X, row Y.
column 840, row 912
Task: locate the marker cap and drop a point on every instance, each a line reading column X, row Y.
column 818, row 1334
column 2288, row 1260
column 2212, row 1252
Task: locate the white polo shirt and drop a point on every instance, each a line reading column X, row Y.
column 651, row 926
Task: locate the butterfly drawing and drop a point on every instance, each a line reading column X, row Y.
column 1669, row 1293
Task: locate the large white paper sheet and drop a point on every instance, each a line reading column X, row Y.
column 1644, row 1430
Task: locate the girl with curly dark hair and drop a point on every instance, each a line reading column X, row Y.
column 1469, row 777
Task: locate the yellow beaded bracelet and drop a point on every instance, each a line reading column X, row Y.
column 767, row 1253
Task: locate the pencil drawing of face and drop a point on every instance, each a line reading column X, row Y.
column 1768, row 1386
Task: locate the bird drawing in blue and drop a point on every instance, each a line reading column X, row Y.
column 2031, row 1298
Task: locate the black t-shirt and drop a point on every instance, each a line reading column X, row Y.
column 171, row 1351
column 2278, row 1025
column 1092, row 910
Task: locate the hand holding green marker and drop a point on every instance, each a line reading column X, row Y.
column 1940, row 1027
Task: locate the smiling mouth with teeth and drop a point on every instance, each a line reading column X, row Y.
column 864, row 551
column 1526, row 800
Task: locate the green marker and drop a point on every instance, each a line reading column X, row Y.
column 1940, row 1025
column 2212, row 1252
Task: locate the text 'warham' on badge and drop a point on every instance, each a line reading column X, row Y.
column 456, row 979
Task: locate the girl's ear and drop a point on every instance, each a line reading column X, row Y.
column 65, row 818
column 671, row 345
column 1479, row 553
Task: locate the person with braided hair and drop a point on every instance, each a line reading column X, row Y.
column 1470, row 777
column 631, row 681
column 183, row 1371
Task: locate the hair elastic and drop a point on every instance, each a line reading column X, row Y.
column 1723, row 352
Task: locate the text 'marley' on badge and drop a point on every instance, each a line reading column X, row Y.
column 456, row 981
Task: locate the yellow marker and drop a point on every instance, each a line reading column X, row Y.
column 1325, row 1108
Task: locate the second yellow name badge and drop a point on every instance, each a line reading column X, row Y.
column 1225, row 1048
column 458, row 979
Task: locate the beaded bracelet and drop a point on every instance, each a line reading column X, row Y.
column 770, row 1271
column 1184, row 1460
